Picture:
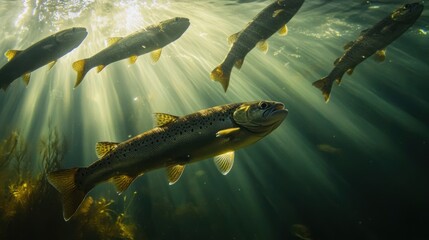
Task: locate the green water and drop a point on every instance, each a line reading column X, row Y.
column 355, row 168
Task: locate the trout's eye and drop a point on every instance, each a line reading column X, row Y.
column 263, row 105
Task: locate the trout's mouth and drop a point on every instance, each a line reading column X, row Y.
column 276, row 109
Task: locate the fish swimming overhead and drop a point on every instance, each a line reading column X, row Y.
column 176, row 141
column 47, row 50
column 151, row 39
column 271, row 19
column 371, row 41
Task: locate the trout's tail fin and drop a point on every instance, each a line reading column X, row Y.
column 221, row 74
column 325, row 85
column 81, row 67
column 71, row 195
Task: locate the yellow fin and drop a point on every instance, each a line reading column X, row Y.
column 239, row 63
column 349, row 72
column 220, row 76
column 100, row 68
column 79, row 67
column 71, row 196
column 380, row 55
column 155, row 55
column 324, row 85
column 348, row 45
column 283, row 31
column 226, row 133
column 174, row 173
column 51, row 64
column 263, row 46
column 224, row 162
column 102, row 148
column 26, row 78
column 122, row 182
column 231, row 39
column 113, row 40
column 163, row 118
column 10, row 54
column 277, row 12
column 133, row 59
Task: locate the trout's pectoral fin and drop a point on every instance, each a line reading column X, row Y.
column 122, row 182
column 380, row 55
column 174, row 173
column 283, row 31
column 155, row 55
column 133, row 59
column 263, row 46
column 51, row 64
column 113, row 40
column 348, row 45
column 100, row 68
column 233, row 38
column 163, row 118
column 10, row 54
column 26, row 77
column 239, row 63
column 102, row 148
column 277, row 12
column 228, row 133
column 224, row 162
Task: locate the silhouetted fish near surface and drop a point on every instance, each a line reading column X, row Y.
column 176, row 141
column 271, row 19
column 151, row 39
column 371, row 41
column 47, row 50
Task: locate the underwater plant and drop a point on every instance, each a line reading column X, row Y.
column 29, row 202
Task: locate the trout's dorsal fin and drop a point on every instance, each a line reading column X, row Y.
column 122, row 182
column 10, row 54
column 163, row 118
column 224, row 162
column 283, row 30
column 102, row 148
column 26, row 77
column 113, row 40
column 227, row 133
column 277, row 12
column 263, row 45
column 155, row 55
column 174, row 172
column 231, row 39
column 348, row 45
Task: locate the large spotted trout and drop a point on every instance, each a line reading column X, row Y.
column 271, row 19
column 176, row 141
column 45, row 51
column 372, row 41
column 149, row 40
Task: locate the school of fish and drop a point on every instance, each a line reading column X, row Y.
column 214, row 132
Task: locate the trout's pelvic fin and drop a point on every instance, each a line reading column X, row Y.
column 239, row 63
column 132, row 59
column 26, row 77
column 174, row 172
column 155, row 55
column 162, row 119
column 102, row 148
column 325, row 86
column 81, row 69
column 380, row 55
column 219, row 75
column 100, row 68
column 122, row 182
column 224, row 162
column 51, row 64
column 71, row 196
column 263, row 45
column 283, row 31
